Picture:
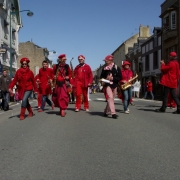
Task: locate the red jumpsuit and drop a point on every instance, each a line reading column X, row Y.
column 83, row 78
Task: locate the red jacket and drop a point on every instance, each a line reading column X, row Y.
column 83, row 74
column 149, row 86
column 126, row 74
column 170, row 74
column 24, row 78
column 44, row 76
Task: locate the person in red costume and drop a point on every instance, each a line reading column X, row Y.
column 39, row 95
column 24, row 77
column 127, row 74
column 149, row 88
column 62, row 76
column 83, row 80
column 169, row 79
column 45, row 82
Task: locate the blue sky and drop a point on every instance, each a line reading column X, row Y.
column 94, row 28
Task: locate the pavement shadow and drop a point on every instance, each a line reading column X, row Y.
column 152, row 110
column 96, row 113
column 53, row 112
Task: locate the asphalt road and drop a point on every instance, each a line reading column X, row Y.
column 142, row 145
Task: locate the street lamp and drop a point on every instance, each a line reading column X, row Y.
column 54, row 52
column 30, row 14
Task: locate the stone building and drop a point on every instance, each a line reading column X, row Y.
column 35, row 53
column 120, row 53
column 6, row 7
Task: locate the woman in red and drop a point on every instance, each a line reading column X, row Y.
column 62, row 75
column 24, row 78
column 127, row 74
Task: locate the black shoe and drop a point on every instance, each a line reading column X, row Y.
column 160, row 110
column 114, row 116
column 105, row 115
column 176, row 112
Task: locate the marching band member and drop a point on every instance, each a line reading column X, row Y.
column 112, row 73
column 169, row 80
column 24, row 77
column 45, row 82
column 83, row 80
column 62, row 77
column 127, row 74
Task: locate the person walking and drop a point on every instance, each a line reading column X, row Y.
column 127, row 74
column 24, row 78
column 169, row 80
column 5, row 81
column 62, row 78
column 83, row 80
column 149, row 88
column 45, row 83
column 112, row 73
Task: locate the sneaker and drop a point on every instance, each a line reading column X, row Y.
column 126, row 112
column 105, row 115
column 87, row 109
column 132, row 104
column 76, row 110
column 128, row 109
column 40, row 110
column 114, row 116
column 173, row 107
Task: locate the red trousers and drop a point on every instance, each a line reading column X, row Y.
column 39, row 99
column 79, row 92
column 60, row 97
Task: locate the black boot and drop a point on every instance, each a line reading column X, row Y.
column 114, row 116
column 176, row 112
column 160, row 110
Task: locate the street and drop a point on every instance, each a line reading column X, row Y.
column 88, row 146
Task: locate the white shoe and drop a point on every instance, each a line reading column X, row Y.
column 76, row 110
column 126, row 112
column 128, row 109
column 87, row 110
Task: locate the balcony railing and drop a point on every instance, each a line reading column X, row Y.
column 167, row 27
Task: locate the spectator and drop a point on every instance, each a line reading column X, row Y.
column 149, row 87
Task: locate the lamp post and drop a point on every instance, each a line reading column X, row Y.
column 29, row 13
column 54, row 52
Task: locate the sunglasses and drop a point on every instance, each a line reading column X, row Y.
column 80, row 59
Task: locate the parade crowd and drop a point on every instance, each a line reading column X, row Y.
column 60, row 85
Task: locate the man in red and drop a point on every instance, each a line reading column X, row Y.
column 149, row 88
column 62, row 76
column 170, row 76
column 83, row 80
column 45, row 81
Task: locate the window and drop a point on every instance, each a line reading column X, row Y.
column 173, row 20
column 147, row 63
column 140, row 67
column 166, row 22
column 155, row 60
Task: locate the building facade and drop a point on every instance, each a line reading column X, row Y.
column 170, row 18
column 35, row 53
column 6, row 7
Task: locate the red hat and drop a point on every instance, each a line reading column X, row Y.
column 61, row 56
column 173, row 54
column 24, row 59
column 126, row 63
column 108, row 58
column 81, row 56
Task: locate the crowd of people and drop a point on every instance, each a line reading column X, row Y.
column 64, row 85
